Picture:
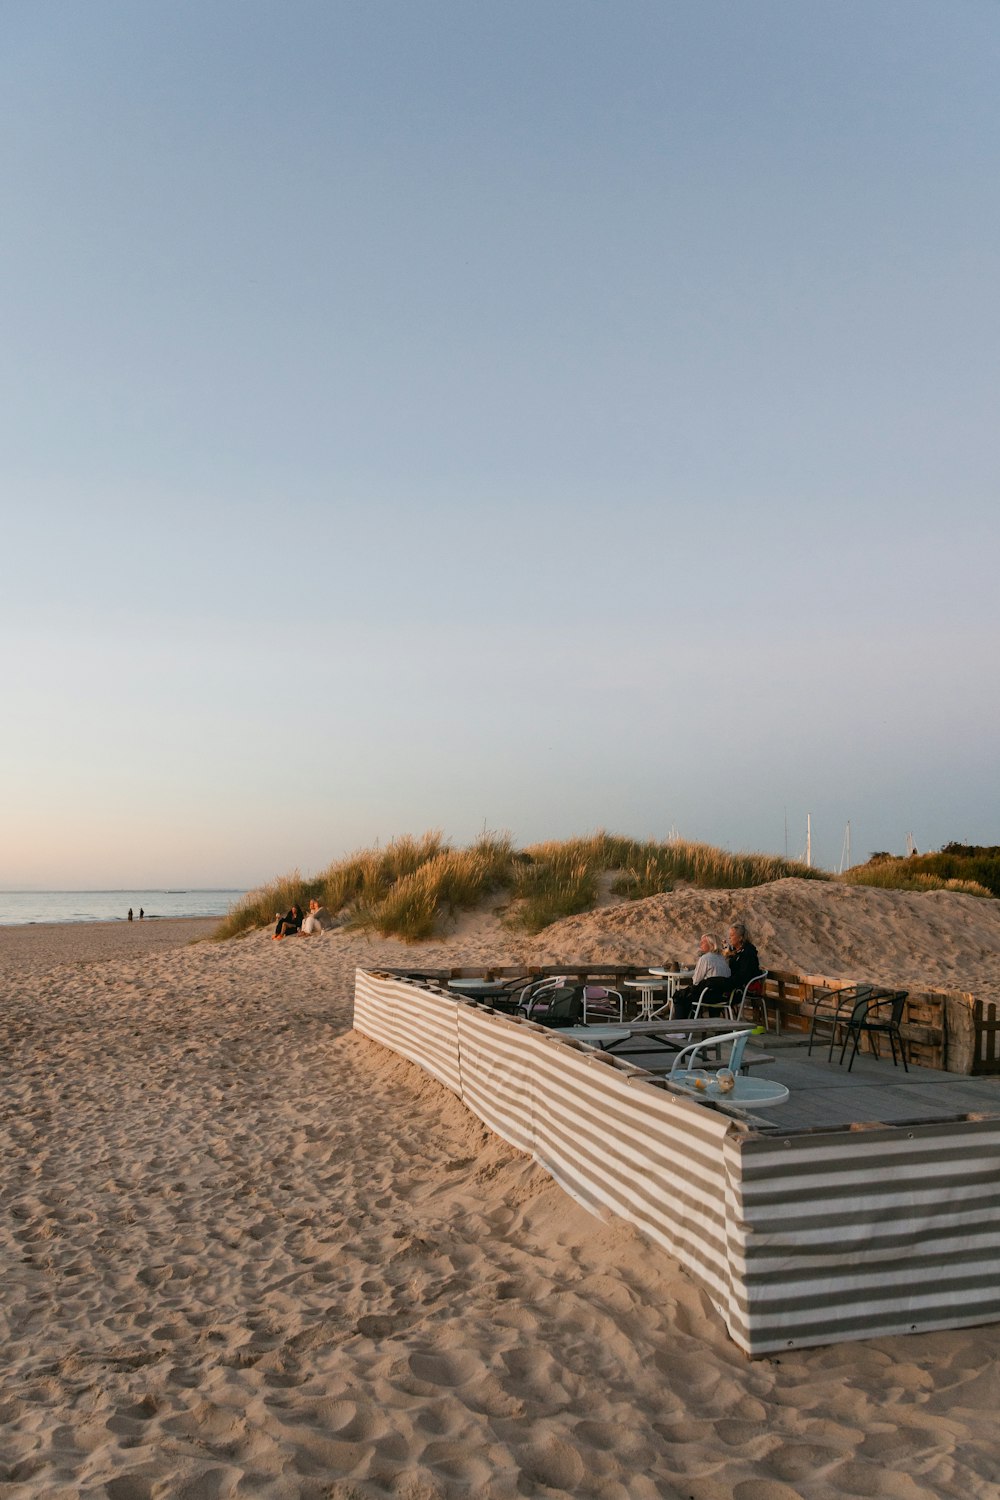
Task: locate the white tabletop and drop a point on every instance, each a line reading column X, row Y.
column 747, row 1093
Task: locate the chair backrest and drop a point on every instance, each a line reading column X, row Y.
column 898, row 999
column 736, row 1055
column 863, row 1001
column 539, row 990
column 599, row 992
column 749, row 987
column 686, row 1056
column 565, row 1007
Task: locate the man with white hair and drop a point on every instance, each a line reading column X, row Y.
column 710, row 965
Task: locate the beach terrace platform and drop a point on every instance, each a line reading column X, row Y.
column 868, row 1203
column 824, row 1095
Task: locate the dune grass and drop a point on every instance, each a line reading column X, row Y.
column 452, row 880
column 655, row 868
column 972, row 869
column 896, row 875
column 413, row 887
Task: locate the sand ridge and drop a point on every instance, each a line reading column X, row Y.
column 247, row 1252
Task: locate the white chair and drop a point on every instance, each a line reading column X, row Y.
column 739, row 1093
column 739, row 1040
column 724, row 1004
column 600, row 1002
column 757, row 999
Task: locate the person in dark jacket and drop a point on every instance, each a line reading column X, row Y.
column 290, row 923
column 744, row 964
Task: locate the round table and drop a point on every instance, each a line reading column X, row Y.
column 649, row 986
column 483, row 989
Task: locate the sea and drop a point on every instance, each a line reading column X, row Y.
column 18, row 908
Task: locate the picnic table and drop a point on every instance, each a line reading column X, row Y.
column 671, row 1035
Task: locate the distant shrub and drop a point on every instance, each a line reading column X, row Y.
column 554, row 881
column 954, row 867
column 899, row 876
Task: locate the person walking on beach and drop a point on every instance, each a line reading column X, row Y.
column 130, row 913
column 141, row 913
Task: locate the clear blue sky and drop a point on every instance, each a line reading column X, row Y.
column 529, row 414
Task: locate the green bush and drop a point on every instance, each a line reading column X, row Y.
column 973, row 868
column 898, row 876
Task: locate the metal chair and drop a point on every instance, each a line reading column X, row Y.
column 552, row 1002
column 739, row 1092
column 687, row 1055
column 861, row 1024
column 716, row 996
column 827, row 1020
column 756, row 997
column 514, row 989
column 597, row 1003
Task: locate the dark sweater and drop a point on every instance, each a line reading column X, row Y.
column 744, row 966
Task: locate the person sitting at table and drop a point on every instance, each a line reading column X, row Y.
column 744, row 964
column 711, row 967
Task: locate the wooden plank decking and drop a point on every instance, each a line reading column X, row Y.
column 825, row 1096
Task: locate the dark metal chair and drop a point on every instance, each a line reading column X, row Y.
column 861, row 1023
column 555, row 1001
column 828, row 1020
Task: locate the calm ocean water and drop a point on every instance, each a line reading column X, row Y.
column 19, row 907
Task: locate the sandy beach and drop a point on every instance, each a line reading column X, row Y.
column 247, row 1252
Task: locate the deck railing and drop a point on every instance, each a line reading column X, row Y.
column 947, row 1029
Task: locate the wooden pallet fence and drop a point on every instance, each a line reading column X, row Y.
column 940, row 1026
column 972, row 1044
column 925, row 1023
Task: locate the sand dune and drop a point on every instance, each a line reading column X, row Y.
column 246, row 1252
column 934, row 939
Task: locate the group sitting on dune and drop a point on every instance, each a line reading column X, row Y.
column 293, row 924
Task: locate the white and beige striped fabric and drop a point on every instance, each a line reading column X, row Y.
column 414, row 1021
column 853, row 1234
column 798, row 1239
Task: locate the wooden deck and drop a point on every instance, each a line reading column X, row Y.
column 825, row 1096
